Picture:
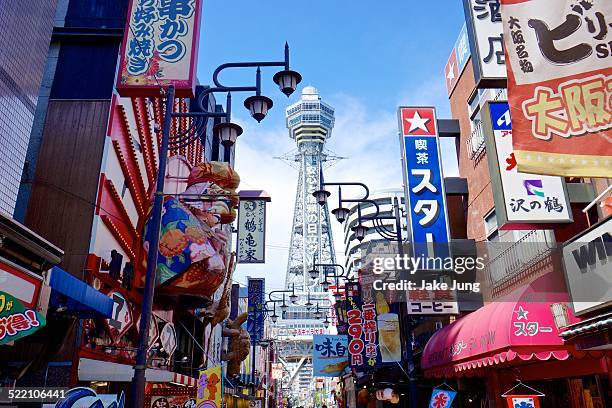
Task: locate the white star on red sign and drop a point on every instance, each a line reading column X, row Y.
column 417, row 122
column 521, row 313
column 451, row 73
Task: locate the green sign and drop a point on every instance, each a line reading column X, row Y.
column 16, row 320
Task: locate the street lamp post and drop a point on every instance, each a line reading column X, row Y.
column 258, row 106
column 360, row 231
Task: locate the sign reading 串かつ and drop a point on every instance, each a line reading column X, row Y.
column 16, row 319
column 329, row 355
column 484, row 27
column 255, row 320
column 520, row 198
column 559, row 73
column 252, row 231
column 160, row 45
column 424, row 181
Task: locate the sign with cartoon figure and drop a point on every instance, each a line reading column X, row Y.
column 209, row 393
column 17, row 320
column 559, row 74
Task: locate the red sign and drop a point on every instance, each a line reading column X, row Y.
column 20, row 284
column 559, row 85
column 418, row 121
column 160, row 47
column 451, row 72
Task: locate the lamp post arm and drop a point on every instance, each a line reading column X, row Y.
column 367, row 190
column 245, row 65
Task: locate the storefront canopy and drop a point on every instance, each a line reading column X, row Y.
column 97, row 370
column 519, row 327
column 77, row 296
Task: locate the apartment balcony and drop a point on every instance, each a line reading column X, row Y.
column 476, row 143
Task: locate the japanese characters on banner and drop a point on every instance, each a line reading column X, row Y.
column 329, row 355
column 252, row 231
column 442, row 398
column 16, row 319
column 559, row 75
column 209, row 388
column 520, row 198
column 256, row 299
column 432, row 302
column 424, row 181
column 484, row 27
column 160, row 47
column 523, row 401
column 457, row 59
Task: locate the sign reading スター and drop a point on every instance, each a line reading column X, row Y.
column 160, row 45
column 424, row 181
column 521, row 199
column 559, row 74
column 251, row 231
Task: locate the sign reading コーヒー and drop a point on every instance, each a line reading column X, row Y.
column 559, row 76
column 160, row 45
column 424, row 181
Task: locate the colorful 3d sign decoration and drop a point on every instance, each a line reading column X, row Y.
column 441, row 398
column 255, row 321
column 17, row 320
column 559, row 91
column 251, row 231
column 424, row 181
column 484, row 27
column 457, row 59
column 209, row 388
column 330, row 355
column 160, row 45
column 521, row 199
column 83, row 397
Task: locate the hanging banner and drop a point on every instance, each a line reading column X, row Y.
column 255, row 320
column 160, row 47
column 559, row 75
column 442, row 398
column 484, row 28
column 457, row 59
column 122, row 319
column 209, row 394
column 329, row 355
column 522, row 200
column 523, row 401
column 424, row 181
column 16, row 319
column 251, row 231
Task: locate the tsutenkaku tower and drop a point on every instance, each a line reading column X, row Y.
column 310, row 122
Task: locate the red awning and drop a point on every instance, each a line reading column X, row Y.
column 519, row 327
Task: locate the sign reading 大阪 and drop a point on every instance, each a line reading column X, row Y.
column 521, row 199
column 424, row 181
column 559, row 73
column 160, row 46
column 484, row 27
column 251, row 231
column 457, row 59
column 16, row 319
column 256, row 306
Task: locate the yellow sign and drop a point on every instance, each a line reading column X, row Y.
column 209, row 388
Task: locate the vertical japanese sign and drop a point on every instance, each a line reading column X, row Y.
column 251, row 231
column 424, row 181
column 209, row 394
column 312, row 211
column 521, row 200
column 329, row 355
column 16, row 319
column 255, row 320
column 484, row 27
column 457, row 59
column 160, row 46
column 559, row 76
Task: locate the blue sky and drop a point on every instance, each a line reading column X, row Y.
column 366, row 59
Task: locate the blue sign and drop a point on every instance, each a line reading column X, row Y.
column 424, row 182
column 500, row 116
column 256, row 306
column 462, row 48
column 442, row 398
column 330, row 355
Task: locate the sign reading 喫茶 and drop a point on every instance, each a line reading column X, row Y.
column 521, row 200
column 559, row 75
column 160, row 46
column 256, row 306
column 424, row 181
column 329, row 355
column 484, row 27
column 457, row 59
column 17, row 320
column 251, row 231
